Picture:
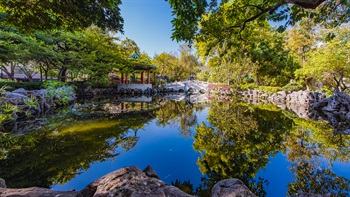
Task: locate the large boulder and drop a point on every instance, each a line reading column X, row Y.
column 231, row 188
column 132, row 182
column 35, row 192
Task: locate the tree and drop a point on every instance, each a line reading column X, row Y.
column 259, row 53
column 29, row 16
column 128, row 47
column 177, row 67
column 330, row 61
column 13, row 47
column 188, row 14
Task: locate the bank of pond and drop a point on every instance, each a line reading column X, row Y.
column 191, row 143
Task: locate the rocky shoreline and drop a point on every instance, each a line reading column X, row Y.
column 129, row 181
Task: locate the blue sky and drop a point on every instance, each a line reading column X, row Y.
column 148, row 23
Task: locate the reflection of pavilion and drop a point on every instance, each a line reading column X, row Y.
column 136, row 79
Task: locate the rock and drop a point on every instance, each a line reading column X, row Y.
column 130, row 181
column 20, row 91
column 2, row 183
column 150, row 172
column 231, row 188
column 14, row 98
column 35, row 192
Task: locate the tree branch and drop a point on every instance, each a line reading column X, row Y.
column 307, row 4
column 262, row 11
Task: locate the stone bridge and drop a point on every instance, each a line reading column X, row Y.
column 194, row 86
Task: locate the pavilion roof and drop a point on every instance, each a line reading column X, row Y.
column 136, row 56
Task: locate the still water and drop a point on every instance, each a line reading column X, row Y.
column 190, row 145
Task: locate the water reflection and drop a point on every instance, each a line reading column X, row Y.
column 66, row 147
column 239, row 142
column 236, row 140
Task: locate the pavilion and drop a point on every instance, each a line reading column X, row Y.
column 137, row 82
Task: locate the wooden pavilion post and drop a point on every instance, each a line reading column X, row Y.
column 149, row 76
column 142, row 78
column 122, row 80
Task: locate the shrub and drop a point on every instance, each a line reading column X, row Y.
column 16, row 85
column 269, row 89
column 59, row 88
column 294, row 86
column 248, row 86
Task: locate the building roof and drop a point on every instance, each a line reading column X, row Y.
column 136, row 56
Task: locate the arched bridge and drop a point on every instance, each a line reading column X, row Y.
column 192, row 86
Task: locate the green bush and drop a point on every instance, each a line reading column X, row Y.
column 16, row 85
column 248, row 86
column 294, row 86
column 269, row 89
column 54, row 87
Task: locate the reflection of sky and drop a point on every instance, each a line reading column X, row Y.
column 169, row 154
column 278, row 175
column 172, row 157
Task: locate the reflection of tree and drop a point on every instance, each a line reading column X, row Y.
column 43, row 158
column 311, row 178
column 177, row 113
column 185, row 186
column 238, row 143
column 312, row 148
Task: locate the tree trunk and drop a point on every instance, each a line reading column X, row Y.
column 41, row 73
column 62, row 75
column 9, row 72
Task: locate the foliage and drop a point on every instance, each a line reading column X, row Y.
column 257, row 53
column 60, row 90
column 177, row 67
column 248, row 86
column 311, row 179
column 39, row 154
column 266, row 89
column 15, row 85
column 238, row 142
column 292, row 87
column 189, row 13
column 329, row 63
column 301, row 39
column 185, row 186
column 71, row 15
column 180, row 115
column 7, row 110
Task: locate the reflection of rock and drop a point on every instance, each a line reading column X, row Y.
column 336, row 109
column 129, row 181
column 231, row 188
column 299, row 102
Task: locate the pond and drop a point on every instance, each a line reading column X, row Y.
column 190, row 145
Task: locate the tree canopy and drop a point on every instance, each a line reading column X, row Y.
column 29, row 16
column 189, row 13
